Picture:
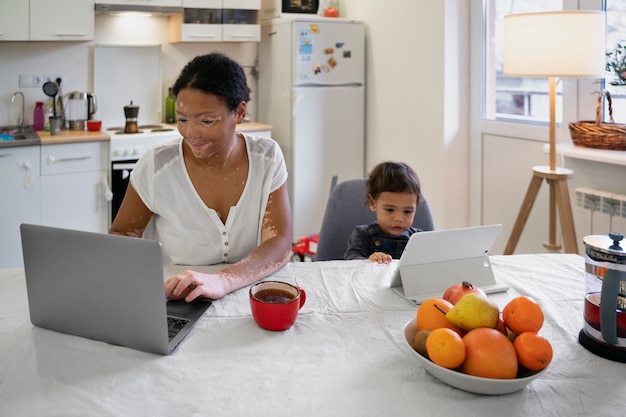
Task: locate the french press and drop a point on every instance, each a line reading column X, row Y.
column 604, row 329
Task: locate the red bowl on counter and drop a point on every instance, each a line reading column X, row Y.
column 94, row 125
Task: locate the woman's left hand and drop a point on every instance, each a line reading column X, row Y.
column 191, row 285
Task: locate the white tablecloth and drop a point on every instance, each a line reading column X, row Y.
column 345, row 356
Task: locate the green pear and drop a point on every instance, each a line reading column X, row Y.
column 473, row 311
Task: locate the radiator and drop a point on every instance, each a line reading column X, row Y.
column 598, row 212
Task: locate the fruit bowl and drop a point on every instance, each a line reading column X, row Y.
column 475, row 384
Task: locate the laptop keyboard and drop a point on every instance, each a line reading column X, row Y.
column 174, row 324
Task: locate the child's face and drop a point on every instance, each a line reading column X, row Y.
column 394, row 211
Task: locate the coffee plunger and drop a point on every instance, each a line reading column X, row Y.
column 131, row 111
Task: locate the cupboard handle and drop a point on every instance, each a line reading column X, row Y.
column 28, row 177
column 2, row 155
column 106, row 189
column 52, row 160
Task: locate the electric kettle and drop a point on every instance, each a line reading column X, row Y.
column 80, row 107
column 604, row 328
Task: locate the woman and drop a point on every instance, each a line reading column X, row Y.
column 214, row 196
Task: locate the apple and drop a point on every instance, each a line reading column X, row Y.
column 455, row 292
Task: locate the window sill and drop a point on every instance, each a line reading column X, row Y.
column 590, row 154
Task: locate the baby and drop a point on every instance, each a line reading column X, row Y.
column 392, row 194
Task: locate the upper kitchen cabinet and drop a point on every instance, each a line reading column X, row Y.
column 216, row 21
column 14, row 20
column 160, row 3
column 61, row 20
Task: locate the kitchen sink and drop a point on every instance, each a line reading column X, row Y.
column 18, row 136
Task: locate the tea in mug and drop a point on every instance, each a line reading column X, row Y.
column 274, row 296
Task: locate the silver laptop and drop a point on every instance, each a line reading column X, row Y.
column 433, row 261
column 103, row 287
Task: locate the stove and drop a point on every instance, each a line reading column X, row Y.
column 130, row 146
column 124, row 151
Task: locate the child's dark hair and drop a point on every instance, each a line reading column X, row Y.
column 218, row 75
column 394, row 177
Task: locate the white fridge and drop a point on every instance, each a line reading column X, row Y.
column 312, row 91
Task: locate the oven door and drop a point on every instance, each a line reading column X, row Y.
column 120, row 177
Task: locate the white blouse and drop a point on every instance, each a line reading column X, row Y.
column 189, row 231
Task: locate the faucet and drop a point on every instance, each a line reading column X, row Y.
column 21, row 122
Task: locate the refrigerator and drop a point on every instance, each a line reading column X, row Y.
column 311, row 89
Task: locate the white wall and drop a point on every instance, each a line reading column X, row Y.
column 74, row 60
column 417, row 98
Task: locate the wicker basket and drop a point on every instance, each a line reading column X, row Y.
column 599, row 134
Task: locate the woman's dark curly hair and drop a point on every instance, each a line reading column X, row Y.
column 215, row 74
column 394, row 177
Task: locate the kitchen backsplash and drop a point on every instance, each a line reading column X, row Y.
column 73, row 61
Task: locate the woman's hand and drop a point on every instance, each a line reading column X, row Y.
column 379, row 257
column 191, row 285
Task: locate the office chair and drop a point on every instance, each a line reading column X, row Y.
column 346, row 209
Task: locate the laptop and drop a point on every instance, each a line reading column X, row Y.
column 103, row 287
column 435, row 260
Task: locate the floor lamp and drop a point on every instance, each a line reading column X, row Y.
column 561, row 44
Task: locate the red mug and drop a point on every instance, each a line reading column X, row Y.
column 275, row 304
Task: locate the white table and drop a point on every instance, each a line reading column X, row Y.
column 345, row 356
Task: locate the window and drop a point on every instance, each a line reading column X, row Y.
column 526, row 100
column 615, row 21
column 513, row 98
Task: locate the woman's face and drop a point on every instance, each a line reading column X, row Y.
column 206, row 123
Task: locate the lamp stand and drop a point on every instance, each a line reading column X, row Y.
column 559, row 195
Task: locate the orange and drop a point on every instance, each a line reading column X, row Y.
column 445, row 347
column 431, row 315
column 489, row 354
column 522, row 314
column 534, row 352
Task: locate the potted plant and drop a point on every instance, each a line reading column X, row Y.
column 598, row 134
column 616, row 64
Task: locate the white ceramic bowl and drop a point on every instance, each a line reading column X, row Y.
column 463, row 381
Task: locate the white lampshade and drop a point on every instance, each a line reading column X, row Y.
column 555, row 44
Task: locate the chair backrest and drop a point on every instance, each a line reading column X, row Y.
column 346, row 209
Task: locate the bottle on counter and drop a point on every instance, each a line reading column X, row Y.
column 170, row 107
column 48, row 111
column 39, row 116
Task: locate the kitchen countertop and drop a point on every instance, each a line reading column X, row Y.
column 72, row 136
column 76, row 136
column 253, row 126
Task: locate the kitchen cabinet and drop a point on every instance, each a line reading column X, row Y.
column 166, row 3
column 74, row 183
column 216, row 21
column 47, row 20
column 14, row 20
column 19, row 187
column 62, row 20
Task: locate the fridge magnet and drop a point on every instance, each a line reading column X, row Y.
column 347, row 54
column 332, row 62
column 329, row 51
column 317, row 68
column 338, row 45
column 315, row 28
column 305, row 47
